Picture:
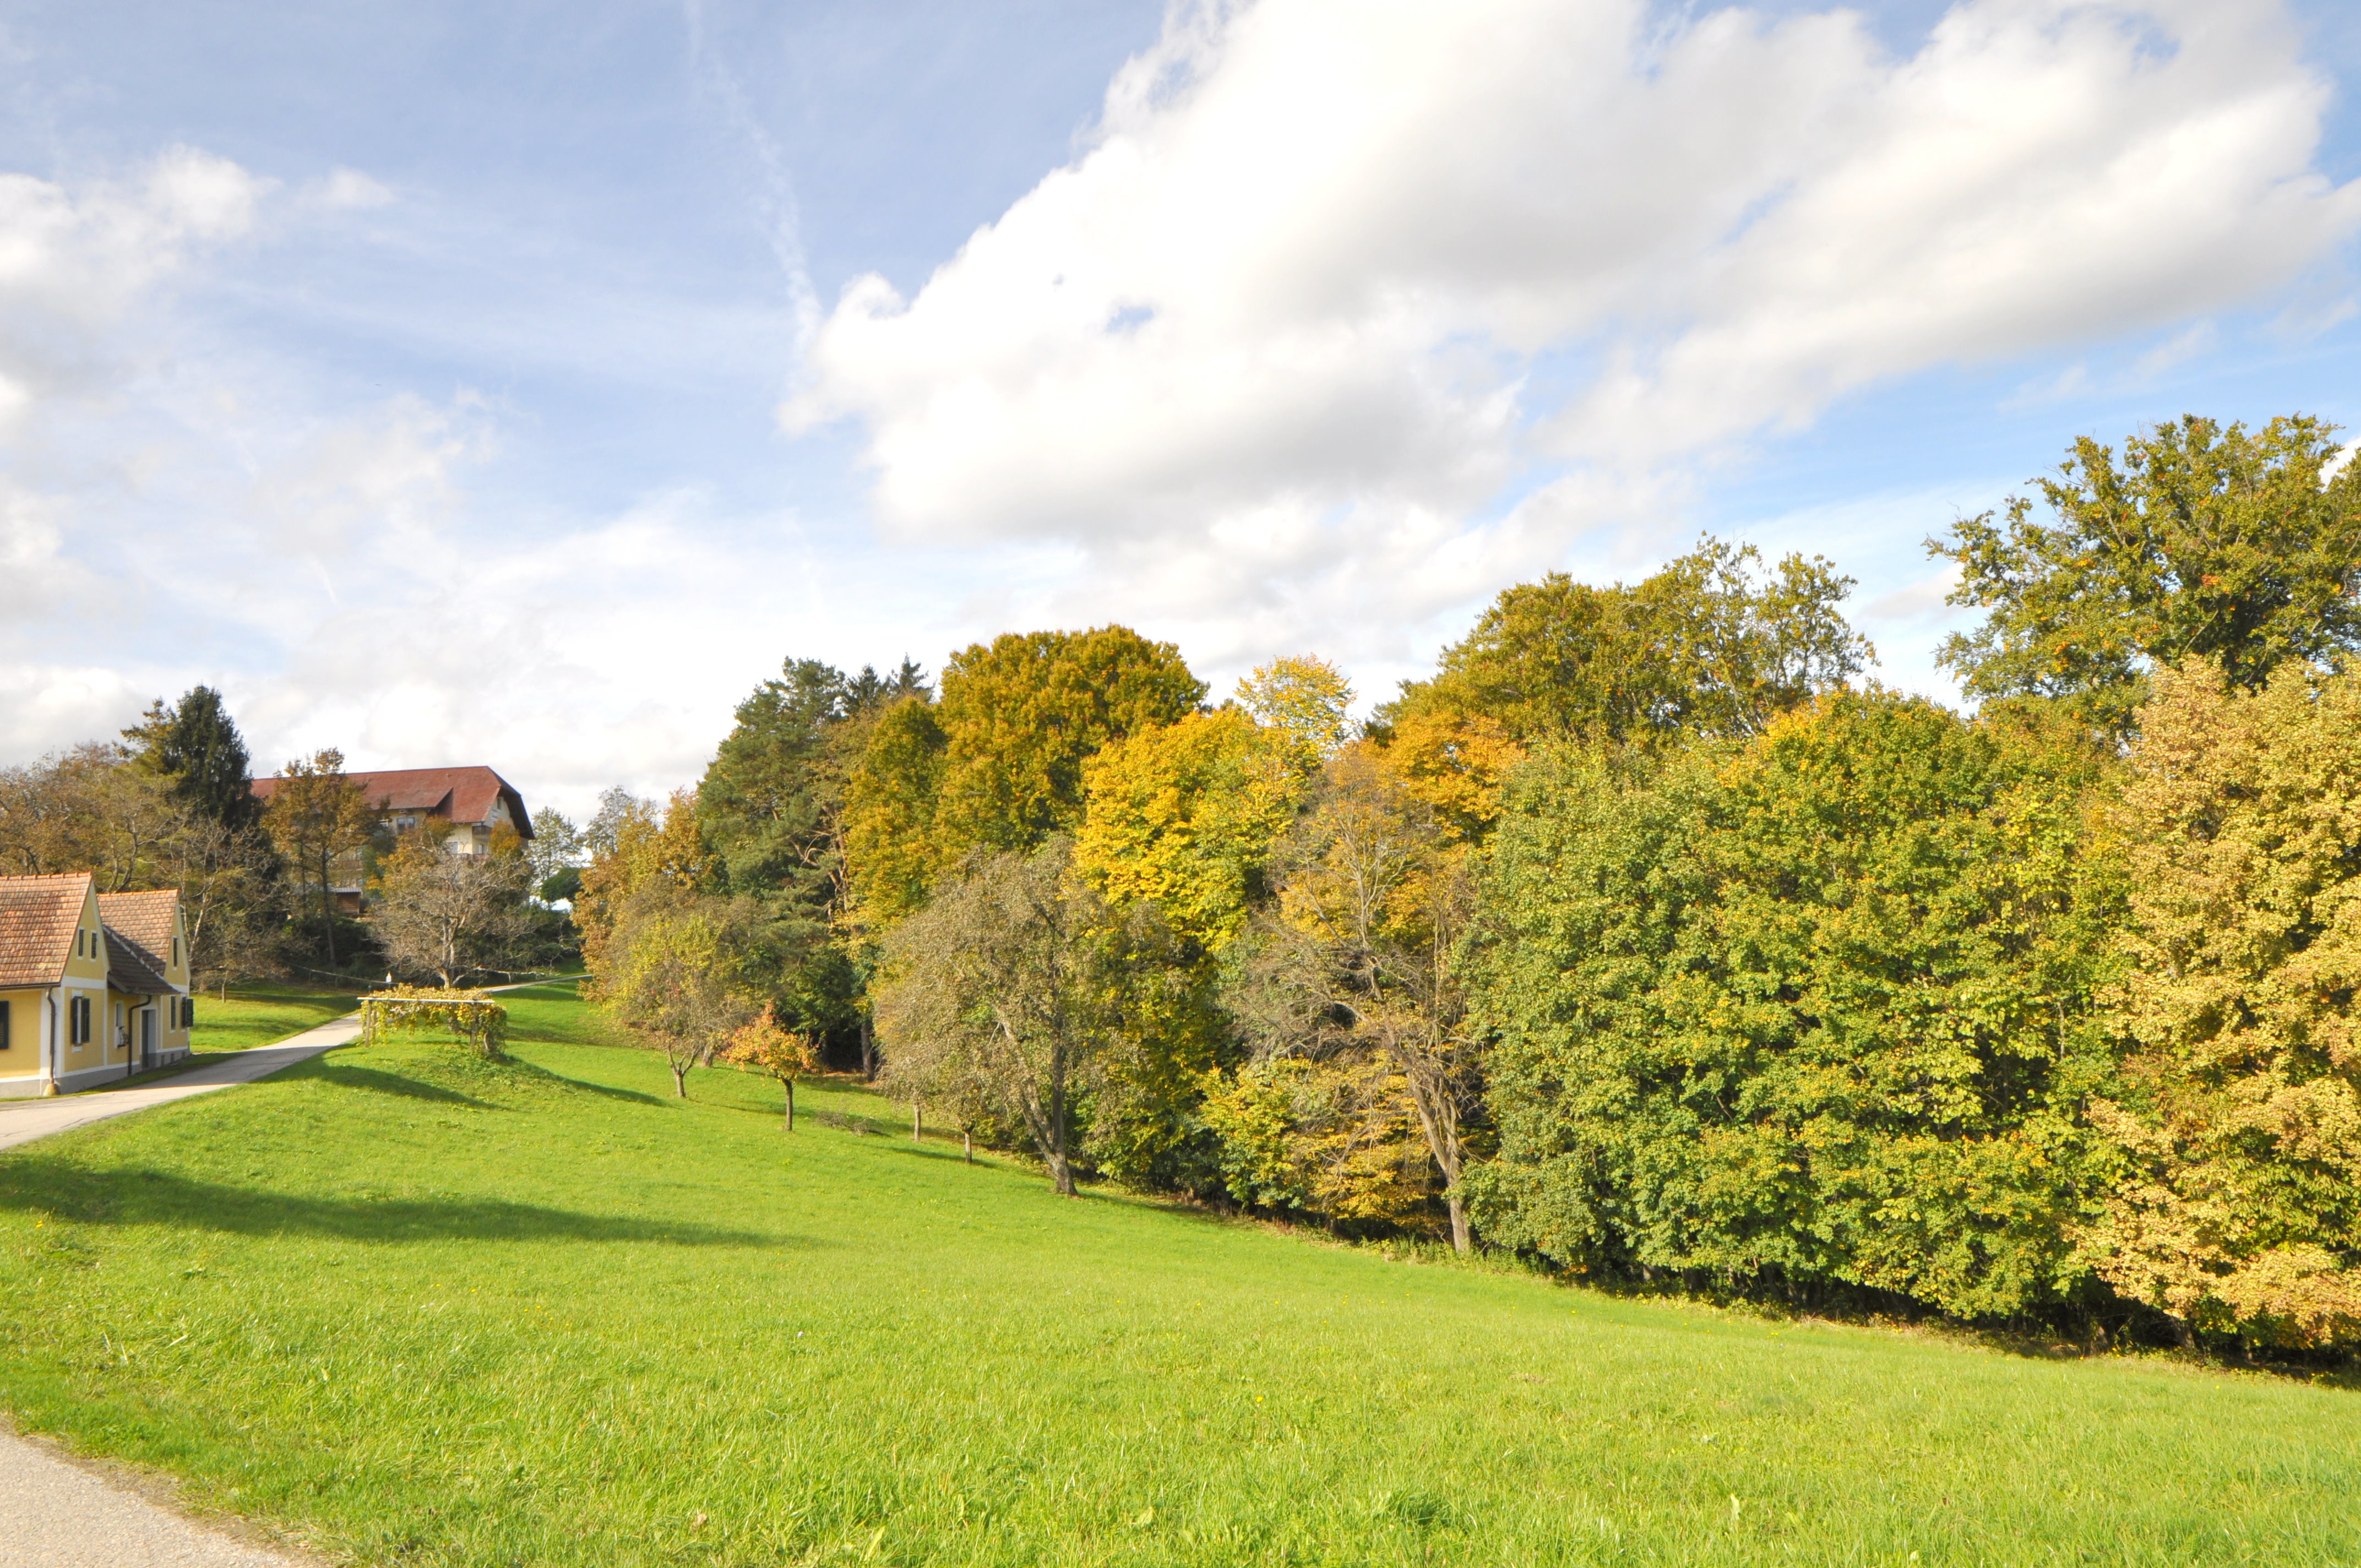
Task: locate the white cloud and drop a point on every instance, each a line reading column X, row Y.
column 1337, row 277
column 348, row 190
column 72, row 262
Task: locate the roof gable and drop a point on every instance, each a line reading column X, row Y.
column 128, row 969
column 147, row 921
column 465, row 795
column 38, row 916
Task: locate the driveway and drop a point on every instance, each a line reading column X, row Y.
column 23, row 1120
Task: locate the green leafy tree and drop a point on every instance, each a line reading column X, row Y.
column 1816, row 1010
column 1711, row 645
column 1001, row 982
column 1022, row 714
column 2240, row 1115
column 2243, row 548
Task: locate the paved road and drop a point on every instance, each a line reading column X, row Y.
column 54, row 1514
column 58, row 1515
column 21, row 1119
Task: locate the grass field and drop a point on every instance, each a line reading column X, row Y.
column 414, row 1308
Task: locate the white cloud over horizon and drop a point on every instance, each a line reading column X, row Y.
column 1335, row 277
column 1340, row 317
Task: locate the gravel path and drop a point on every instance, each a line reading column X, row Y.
column 54, row 1514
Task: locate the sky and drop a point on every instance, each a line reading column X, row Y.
column 523, row 384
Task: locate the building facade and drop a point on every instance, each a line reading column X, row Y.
column 94, row 987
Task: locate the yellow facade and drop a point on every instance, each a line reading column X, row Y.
column 27, row 1032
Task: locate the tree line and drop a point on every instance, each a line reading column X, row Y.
column 1644, row 936
column 170, row 804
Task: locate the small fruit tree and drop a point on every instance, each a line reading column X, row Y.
column 770, row 1048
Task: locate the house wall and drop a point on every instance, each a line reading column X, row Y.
column 86, row 975
column 20, row 1064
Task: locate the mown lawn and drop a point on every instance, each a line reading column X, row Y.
column 247, row 1018
column 419, row 1308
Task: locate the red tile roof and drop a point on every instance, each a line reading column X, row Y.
column 143, row 920
column 464, row 795
column 128, row 969
column 37, row 917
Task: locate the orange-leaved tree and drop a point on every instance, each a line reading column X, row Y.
column 769, row 1048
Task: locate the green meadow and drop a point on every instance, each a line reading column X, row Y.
column 410, row 1307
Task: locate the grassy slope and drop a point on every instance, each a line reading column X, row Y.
column 427, row 1310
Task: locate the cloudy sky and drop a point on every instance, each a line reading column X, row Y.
column 521, row 383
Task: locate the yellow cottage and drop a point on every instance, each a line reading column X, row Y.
column 94, row 987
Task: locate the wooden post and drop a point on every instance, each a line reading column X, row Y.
column 917, row 1122
column 967, row 1144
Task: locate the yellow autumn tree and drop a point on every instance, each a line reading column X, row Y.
column 2241, row 1120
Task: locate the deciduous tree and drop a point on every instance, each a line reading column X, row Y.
column 767, row 1047
column 2240, row 1117
column 2243, row 548
column 1001, row 982
column 450, row 915
column 1817, row 1009
column 1358, row 961
column 317, row 815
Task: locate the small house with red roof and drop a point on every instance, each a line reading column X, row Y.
column 93, row 986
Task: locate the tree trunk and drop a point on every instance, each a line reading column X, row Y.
column 918, row 1123
column 967, row 1145
column 868, row 1049
column 1061, row 1174
column 791, row 1102
column 679, row 1078
column 1460, row 1242
column 328, row 909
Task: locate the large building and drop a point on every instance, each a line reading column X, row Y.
column 469, row 803
column 93, row 986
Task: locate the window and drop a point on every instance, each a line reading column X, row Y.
column 5, row 1007
column 176, row 952
column 78, row 1022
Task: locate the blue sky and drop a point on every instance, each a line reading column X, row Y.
column 464, row 383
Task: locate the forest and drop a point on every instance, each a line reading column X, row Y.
column 1645, row 936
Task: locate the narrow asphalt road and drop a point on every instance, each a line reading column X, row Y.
column 23, row 1120
column 54, row 1514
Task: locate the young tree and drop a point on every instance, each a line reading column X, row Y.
column 2240, row 548
column 1001, row 980
column 449, row 915
column 2240, row 1118
column 317, row 814
column 764, row 1045
column 672, row 982
column 1359, row 958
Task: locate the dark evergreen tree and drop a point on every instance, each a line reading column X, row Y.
column 195, row 744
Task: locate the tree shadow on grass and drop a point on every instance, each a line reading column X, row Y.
column 136, row 1196
column 370, row 1078
column 612, row 1092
